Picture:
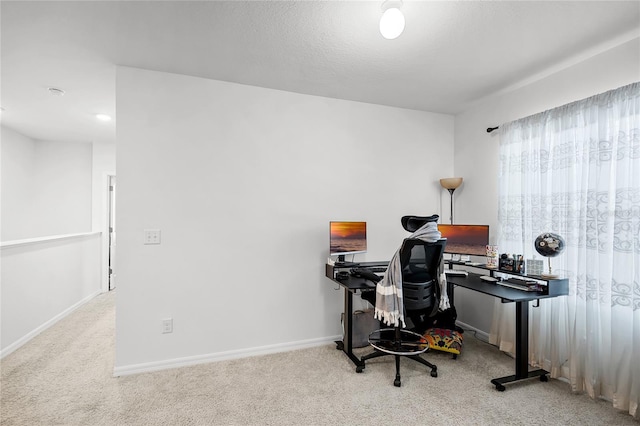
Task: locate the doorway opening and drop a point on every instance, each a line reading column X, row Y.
column 112, row 231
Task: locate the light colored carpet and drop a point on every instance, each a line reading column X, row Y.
column 64, row 377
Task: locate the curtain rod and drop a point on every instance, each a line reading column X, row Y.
column 491, row 129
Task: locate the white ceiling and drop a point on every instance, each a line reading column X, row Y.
column 451, row 54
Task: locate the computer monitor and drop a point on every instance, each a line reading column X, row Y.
column 465, row 239
column 347, row 238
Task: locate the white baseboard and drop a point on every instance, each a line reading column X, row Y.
column 24, row 339
column 147, row 367
column 478, row 333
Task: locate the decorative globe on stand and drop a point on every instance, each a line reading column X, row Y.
column 549, row 245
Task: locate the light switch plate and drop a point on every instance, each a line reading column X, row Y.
column 167, row 325
column 152, row 236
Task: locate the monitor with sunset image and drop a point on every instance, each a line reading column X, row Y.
column 347, row 238
column 465, row 239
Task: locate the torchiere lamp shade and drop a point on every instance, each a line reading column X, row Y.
column 451, row 183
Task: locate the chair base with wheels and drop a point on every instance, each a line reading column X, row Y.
column 398, row 342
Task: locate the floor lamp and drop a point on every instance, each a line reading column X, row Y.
column 451, row 184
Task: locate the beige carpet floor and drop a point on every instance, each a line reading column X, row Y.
column 65, row 377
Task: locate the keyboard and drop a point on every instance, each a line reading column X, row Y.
column 366, row 273
column 514, row 285
column 377, row 269
column 521, row 284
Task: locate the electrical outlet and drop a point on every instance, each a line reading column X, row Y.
column 167, row 325
column 152, row 236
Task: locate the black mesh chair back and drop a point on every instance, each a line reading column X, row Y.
column 420, row 261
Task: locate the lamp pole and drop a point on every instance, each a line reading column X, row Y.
column 451, row 208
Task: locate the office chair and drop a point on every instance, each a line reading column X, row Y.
column 420, row 263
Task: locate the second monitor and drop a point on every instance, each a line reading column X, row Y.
column 465, row 239
column 347, row 238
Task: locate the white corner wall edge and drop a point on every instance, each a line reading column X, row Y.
column 221, row 356
column 24, row 339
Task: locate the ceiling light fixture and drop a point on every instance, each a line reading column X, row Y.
column 392, row 20
column 55, row 91
column 103, row 117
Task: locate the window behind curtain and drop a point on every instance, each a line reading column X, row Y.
column 575, row 171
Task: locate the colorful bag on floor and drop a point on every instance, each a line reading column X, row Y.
column 443, row 339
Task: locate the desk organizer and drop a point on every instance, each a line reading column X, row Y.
column 509, row 264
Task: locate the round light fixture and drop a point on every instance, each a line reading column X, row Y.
column 392, row 21
column 103, row 117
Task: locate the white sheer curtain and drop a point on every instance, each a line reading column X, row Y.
column 575, row 171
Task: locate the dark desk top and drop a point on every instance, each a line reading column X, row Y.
column 473, row 282
column 355, row 283
column 352, row 283
column 362, row 264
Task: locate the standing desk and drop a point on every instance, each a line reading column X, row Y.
column 555, row 287
column 351, row 286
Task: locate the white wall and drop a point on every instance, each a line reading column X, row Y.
column 63, row 188
column 243, row 181
column 476, row 151
column 17, row 175
column 42, row 281
column 46, row 187
column 103, row 165
column 46, row 191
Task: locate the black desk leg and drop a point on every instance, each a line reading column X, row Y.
column 522, row 339
column 522, row 351
column 346, row 345
column 450, row 293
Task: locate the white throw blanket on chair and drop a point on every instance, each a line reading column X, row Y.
column 389, row 303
